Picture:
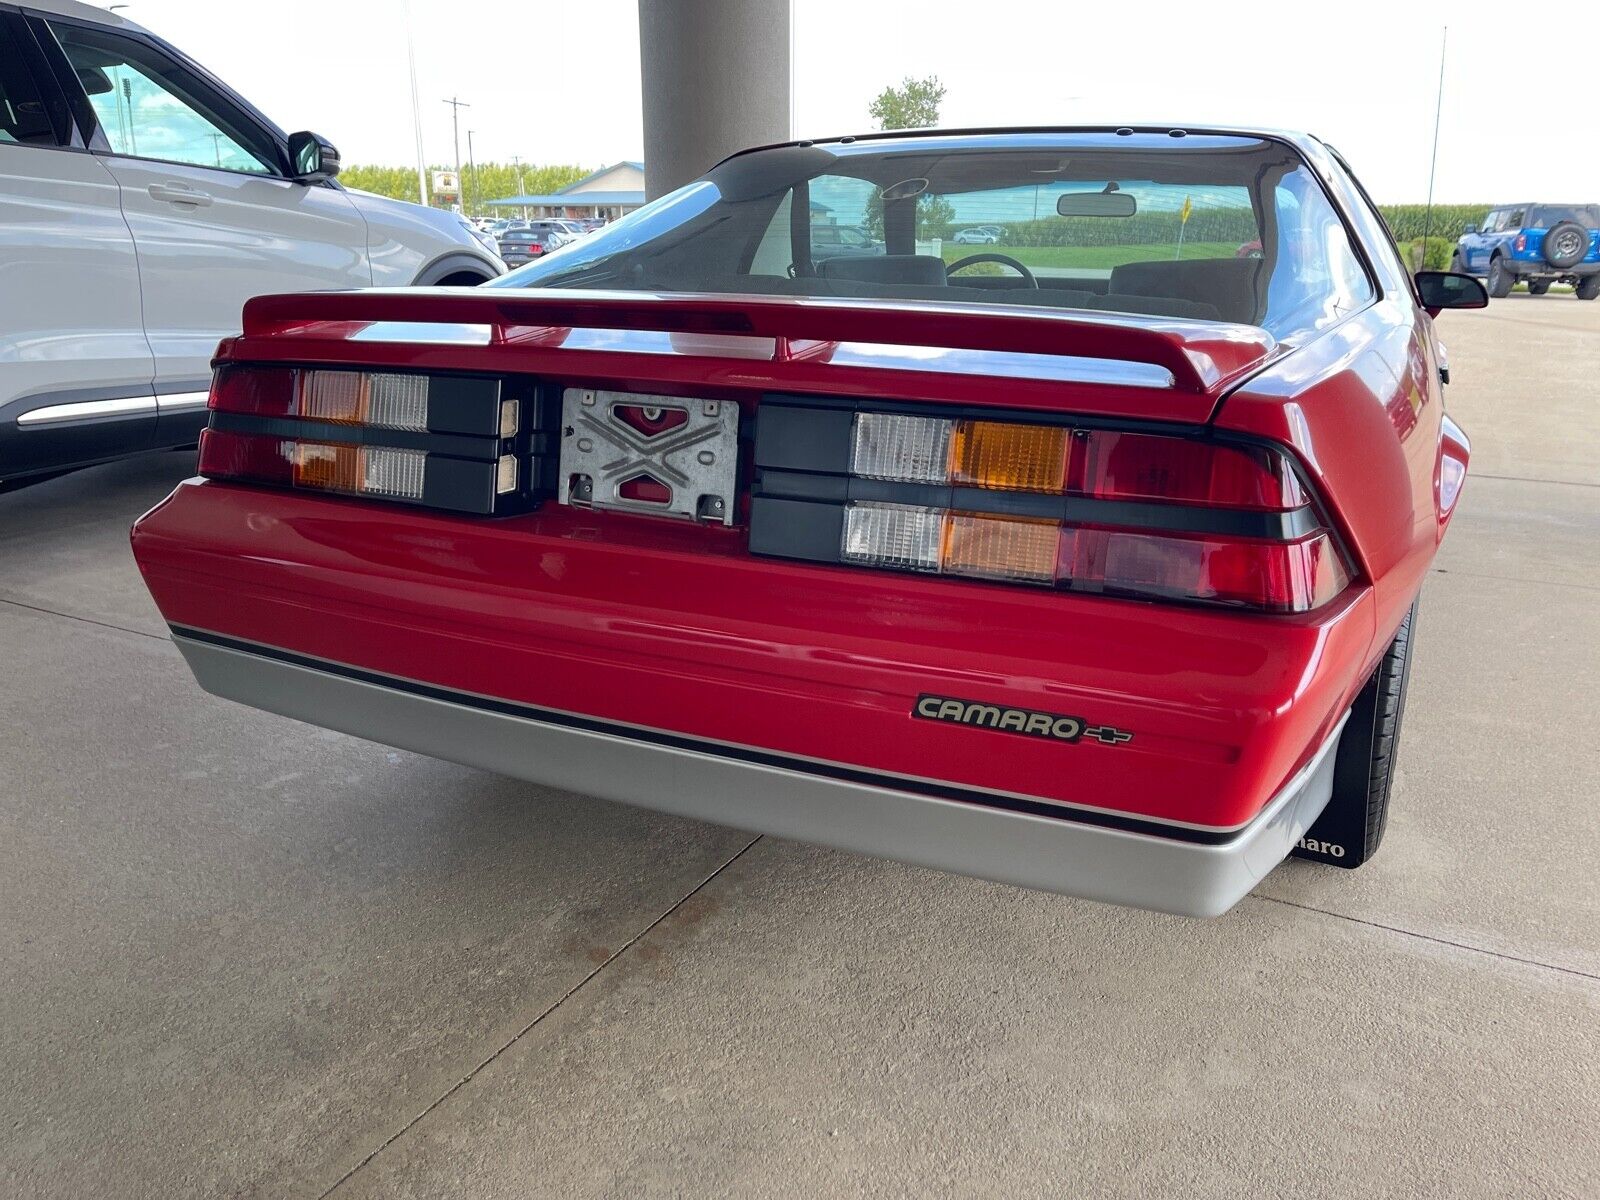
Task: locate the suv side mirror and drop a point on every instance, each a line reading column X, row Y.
column 1446, row 289
column 1469, row 229
column 313, row 158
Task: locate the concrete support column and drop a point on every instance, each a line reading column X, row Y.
column 715, row 80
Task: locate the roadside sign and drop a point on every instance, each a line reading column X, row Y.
column 446, row 184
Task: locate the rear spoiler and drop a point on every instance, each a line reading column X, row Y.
column 1202, row 357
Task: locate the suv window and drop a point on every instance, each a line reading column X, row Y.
column 1491, row 222
column 1548, row 216
column 29, row 115
column 149, row 106
column 1513, row 219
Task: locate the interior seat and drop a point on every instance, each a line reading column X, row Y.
column 924, row 269
column 1225, row 285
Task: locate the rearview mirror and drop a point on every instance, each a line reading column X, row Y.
column 312, row 158
column 1446, row 289
column 1096, row 204
column 95, row 81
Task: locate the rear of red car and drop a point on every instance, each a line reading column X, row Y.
column 996, row 590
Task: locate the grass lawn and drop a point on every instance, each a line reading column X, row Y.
column 1092, row 257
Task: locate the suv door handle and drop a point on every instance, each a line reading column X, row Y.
column 176, row 194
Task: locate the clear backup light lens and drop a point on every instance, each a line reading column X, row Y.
column 361, row 398
column 389, row 472
column 398, row 402
column 908, row 449
column 893, row 535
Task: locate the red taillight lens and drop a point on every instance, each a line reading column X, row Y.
column 1141, row 466
column 225, row 455
column 1273, row 576
column 1522, row 241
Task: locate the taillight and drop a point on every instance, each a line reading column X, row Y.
column 1522, row 241
column 460, row 443
column 1116, row 512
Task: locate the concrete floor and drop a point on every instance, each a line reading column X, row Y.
column 243, row 956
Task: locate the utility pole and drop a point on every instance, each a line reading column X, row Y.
column 472, row 165
column 416, row 111
column 455, row 124
column 516, row 161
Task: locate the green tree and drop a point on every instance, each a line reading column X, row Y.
column 912, row 105
column 491, row 181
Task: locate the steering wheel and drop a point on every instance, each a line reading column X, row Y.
column 1005, row 260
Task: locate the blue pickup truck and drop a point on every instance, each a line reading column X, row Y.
column 1536, row 244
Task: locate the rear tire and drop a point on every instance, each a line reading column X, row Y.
column 1501, row 281
column 1588, row 287
column 1350, row 829
column 1538, row 287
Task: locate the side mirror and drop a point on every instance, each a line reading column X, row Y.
column 313, row 158
column 1469, row 229
column 1446, row 289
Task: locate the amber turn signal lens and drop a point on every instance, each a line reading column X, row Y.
column 332, row 468
column 1008, row 457
column 1000, row 547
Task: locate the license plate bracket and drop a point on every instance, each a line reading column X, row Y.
column 664, row 455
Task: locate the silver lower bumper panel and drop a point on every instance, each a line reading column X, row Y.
column 1051, row 854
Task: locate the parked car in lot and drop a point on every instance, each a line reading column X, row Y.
column 1104, row 584
column 842, row 241
column 1536, row 244
column 142, row 202
column 988, row 235
column 527, row 240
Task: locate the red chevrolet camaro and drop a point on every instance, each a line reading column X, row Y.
column 1086, row 561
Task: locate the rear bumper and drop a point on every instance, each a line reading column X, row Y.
column 828, row 803
column 1538, row 268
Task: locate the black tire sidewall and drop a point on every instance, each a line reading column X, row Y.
column 1353, row 823
column 1564, row 261
column 1501, row 281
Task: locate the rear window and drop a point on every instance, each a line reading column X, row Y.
column 1548, row 216
column 1209, row 228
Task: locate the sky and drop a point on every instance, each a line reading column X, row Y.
column 552, row 81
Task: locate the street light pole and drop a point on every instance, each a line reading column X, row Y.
column 455, row 124
column 416, row 111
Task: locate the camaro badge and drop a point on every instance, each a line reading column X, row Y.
column 1026, row 721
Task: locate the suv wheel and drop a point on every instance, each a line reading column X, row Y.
column 1589, row 287
column 1501, row 280
column 1566, row 244
column 1538, row 287
column 1350, row 828
column 1456, row 265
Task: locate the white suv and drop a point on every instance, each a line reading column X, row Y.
column 142, row 202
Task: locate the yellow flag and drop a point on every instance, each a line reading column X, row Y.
column 1188, row 207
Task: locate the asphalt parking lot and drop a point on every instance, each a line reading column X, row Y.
column 242, row 955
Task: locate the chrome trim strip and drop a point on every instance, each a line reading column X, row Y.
column 83, row 410
column 182, row 401
column 1072, row 858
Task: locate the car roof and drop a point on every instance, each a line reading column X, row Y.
column 1142, row 136
column 84, row 12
